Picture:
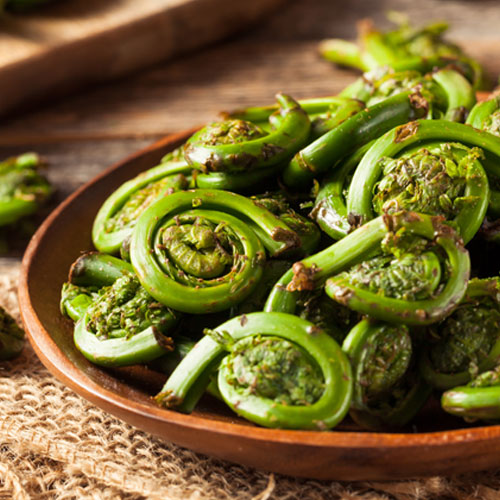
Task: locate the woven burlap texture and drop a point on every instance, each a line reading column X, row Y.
column 56, row 445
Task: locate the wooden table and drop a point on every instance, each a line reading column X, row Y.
column 84, row 134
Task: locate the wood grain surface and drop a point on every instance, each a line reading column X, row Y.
column 71, row 43
column 83, row 134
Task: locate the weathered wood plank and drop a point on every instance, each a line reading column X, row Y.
column 70, row 44
column 192, row 90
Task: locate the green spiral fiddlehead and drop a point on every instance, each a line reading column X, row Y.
column 438, row 179
column 446, row 93
column 468, row 341
column 234, row 154
column 117, row 322
column 22, row 188
column 172, row 269
column 438, row 299
column 88, row 274
column 316, row 387
column 386, row 390
column 404, row 48
column 463, row 164
column 75, row 300
column 330, row 209
column 124, row 326
column 11, row 336
column 486, row 116
column 119, row 213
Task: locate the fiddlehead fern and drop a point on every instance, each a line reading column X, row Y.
column 88, row 274
column 124, row 326
column 22, row 188
column 406, row 285
column 386, row 389
column 449, row 95
column 476, row 192
column 118, row 322
column 75, row 300
column 330, row 208
column 119, row 213
column 281, row 371
column 426, row 297
column 11, row 336
column 404, row 48
column 468, row 341
column 486, row 116
column 235, row 154
column 180, row 271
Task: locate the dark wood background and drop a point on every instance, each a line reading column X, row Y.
column 83, row 134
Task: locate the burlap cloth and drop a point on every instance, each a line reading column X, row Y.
column 56, row 445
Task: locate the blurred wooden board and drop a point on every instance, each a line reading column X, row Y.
column 75, row 42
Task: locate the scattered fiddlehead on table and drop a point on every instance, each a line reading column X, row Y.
column 313, row 389
column 22, row 188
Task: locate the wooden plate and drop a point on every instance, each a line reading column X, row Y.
column 434, row 445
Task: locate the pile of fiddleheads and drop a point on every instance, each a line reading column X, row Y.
column 404, row 48
column 309, row 259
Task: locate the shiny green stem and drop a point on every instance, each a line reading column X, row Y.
column 209, row 155
column 324, row 153
column 324, row 413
